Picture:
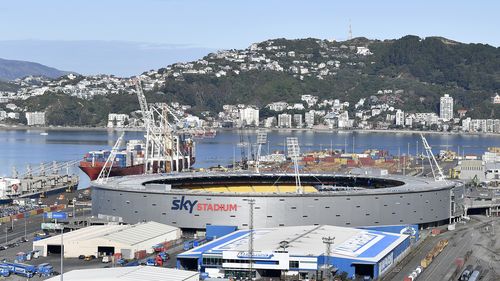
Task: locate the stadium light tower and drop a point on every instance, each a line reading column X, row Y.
column 293, row 149
column 261, row 139
column 251, row 203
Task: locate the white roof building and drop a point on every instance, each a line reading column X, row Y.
column 109, row 239
column 150, row 273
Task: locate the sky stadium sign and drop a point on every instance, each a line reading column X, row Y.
column 191, row 205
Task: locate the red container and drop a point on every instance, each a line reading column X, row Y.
column 366, row 161
column 39, row 211
column 140, row 254
column 436, row 231
column 328, row 159
column 53, row 208
column 308, row 159
column 117, row 256
column 20, row 216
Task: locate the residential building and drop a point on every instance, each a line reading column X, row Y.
column 35, row 118
column 278, row 106
column 285, row 120
column 13, row 115
column 495, row 99
column 297, row 120
column 446, row 108
column 116, row 120
column 248, row 116
column 400, row 118
column 309, row 118
column 269, row 122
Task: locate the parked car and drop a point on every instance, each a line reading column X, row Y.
column 89, row 258
column 106, row 259
column 81, row 257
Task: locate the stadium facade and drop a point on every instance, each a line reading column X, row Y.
column 193, row 200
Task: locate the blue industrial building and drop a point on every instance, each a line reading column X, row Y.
column 301, row 250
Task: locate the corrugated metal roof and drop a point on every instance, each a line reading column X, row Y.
column 129, row 273
column 125, row 234
column 138, row 233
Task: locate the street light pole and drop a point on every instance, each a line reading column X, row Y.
column 25, row 236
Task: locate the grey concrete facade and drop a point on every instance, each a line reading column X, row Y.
column 133, row 199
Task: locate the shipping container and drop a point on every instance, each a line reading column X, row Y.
column 140, row 254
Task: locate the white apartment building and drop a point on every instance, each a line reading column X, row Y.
column 278, row 106
column 248, row 116
column 446, row 108
column 116, row 120
column 284, row 120
column 35, row 118
column 400, row 118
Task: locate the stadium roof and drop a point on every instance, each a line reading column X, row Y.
column 353, row 243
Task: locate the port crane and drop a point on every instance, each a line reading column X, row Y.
column 163, row 143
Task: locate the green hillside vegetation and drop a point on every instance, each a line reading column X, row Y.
column 424, row 69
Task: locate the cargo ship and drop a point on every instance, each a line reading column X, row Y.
column 131, row 160
column 35, row 186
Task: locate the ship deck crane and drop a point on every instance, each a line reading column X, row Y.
column 437, row 173
column 108, row 165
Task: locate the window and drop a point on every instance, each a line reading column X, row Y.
column 269, row 216
column 293, row 208
column 304, row 216
column 164, row 214
column 327, row 207
column 293, row 264
column 154, row 204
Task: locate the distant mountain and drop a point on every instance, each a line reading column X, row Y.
column 13, row 69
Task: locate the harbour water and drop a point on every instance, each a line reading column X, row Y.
column 21, row 147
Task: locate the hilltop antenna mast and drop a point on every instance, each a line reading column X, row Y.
column 350, row 30
column 437, row 173
column 294, row 153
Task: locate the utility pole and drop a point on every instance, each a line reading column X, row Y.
column 328, row 241
column 251, row 202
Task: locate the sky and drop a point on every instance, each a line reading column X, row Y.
column 125, row 37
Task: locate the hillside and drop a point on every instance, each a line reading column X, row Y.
column 13, row 69
column 416, row 71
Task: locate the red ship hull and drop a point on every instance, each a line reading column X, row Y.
column 93, row 172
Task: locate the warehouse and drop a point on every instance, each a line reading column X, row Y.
column 99, row 240
column 299, row 251
column 129, row 273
